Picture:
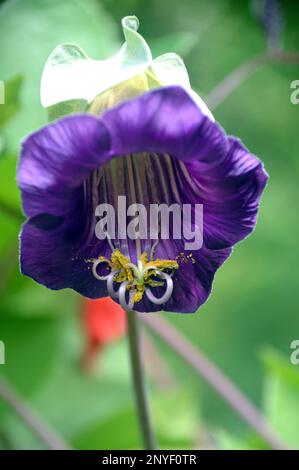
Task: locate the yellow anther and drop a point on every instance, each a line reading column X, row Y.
column 138, row 293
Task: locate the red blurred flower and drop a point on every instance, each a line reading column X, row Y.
column 104, row 321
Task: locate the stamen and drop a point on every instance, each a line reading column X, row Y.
column 136, row 280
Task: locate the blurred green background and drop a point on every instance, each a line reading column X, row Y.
column 252, row 316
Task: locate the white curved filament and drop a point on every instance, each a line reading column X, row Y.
column 110, row 279
column 168, row 292
column 122, row 296
column 94, row 270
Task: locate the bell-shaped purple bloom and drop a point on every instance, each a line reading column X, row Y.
column 156, row 148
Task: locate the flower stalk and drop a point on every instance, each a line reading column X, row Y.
column 139, row 383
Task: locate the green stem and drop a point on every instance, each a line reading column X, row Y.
column 148, row 436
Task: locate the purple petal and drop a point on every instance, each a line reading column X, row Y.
column 52, row 255
column 165, row 120
column 213, row 169
column 230, row 193
column 192, row 281
column 56, row 159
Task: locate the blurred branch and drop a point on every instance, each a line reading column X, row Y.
column 41, row 429
column 245, row 70
column 286, row 57
column 270, row 16
column 214, row 377
column 11, row 212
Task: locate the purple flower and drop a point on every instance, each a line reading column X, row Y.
column 157, row 148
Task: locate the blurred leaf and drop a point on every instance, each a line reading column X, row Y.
column 73, row 402
column 181, row 43
column 281, row 396
column 26, row 298
column 280, row 404
column 280, row 366
column 30, row 349
column 227, row 441
column 9, row 238
column 9, row 191
column 179, row 429
column 30, row 30
column 120, row 431
column 2, row 144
